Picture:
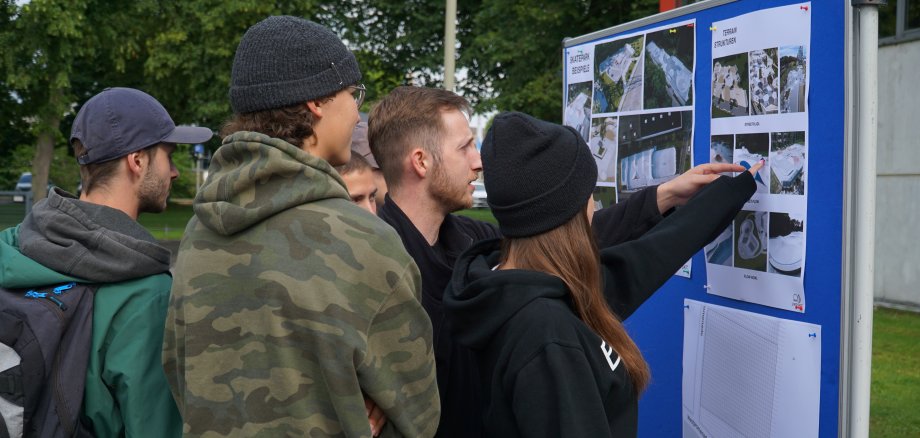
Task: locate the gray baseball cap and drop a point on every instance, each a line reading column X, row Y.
column 119, row 121
column 360, row 145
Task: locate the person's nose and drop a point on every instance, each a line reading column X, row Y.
column 477, row 160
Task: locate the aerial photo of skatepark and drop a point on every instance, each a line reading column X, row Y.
column 792, row 78
column 578, row 108
column 764, row 81
column 788, row 163
column 618, row 67
column 669, row 68
column 786, row 245
column 603, row 144
column 653, row 148
column 730, row 86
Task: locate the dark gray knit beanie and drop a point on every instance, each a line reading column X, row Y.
column 538, row 174
column 283, row 60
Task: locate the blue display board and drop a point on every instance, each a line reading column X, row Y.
column 657, row 326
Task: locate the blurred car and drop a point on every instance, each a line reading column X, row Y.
column 25, row 182
column 479, row 195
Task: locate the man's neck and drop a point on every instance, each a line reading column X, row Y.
column 423, row 211
column 101, row 196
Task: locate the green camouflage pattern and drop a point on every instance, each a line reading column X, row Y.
column 289, row 301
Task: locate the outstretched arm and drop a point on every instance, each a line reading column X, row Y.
column 678, row 191
column 633, row 217
column 634, row 270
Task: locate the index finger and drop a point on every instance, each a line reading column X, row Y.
column 756, row 167
column 721, row 167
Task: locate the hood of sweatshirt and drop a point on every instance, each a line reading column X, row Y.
column 478, row 301
column 254, row 176
column 65, row 239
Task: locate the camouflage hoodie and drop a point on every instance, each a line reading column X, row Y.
column 289, row 301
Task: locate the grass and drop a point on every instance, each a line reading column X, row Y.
column 482, row 214
column 895, row 374
column 11, row 214
column 169, row 224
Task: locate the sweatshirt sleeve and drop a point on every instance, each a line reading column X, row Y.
column 627, row 220
column 134, row 373
column 555, row 395
column 398, row 372
column 634, row 270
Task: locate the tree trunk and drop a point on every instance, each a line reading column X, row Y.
column 44, row 148
column 41, row 164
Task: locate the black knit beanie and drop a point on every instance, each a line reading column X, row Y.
column 284, row 60
column 538, row 174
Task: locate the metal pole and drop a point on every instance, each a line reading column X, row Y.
column 861, row 291
column 450, row 42
column 198, row 165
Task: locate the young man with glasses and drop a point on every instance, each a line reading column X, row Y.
column 294, row 311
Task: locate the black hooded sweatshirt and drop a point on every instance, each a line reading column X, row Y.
column 618, row 223
column 544, row 373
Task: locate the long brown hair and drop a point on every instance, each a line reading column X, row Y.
column 569, row 252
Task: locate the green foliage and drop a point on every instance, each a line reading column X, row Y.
column 656, row 86
column 59, row 53
column 64, row 171
column 185, row 186
column 514, row 50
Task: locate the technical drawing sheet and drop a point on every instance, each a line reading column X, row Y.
column 750, row 375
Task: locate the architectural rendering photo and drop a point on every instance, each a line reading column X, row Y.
column 788, row 163
column 578, row 108
column 763, row 71
column 751, row 148
column 721, row 148
column 792, row 63
column 604, row 197
column 618, row 68
column 786, row 247
column 730, row 86
column 603, row 144
column 750, row 230
column 669, row 68
column 719, row 251
column 652, row 149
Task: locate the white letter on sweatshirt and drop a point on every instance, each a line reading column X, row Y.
column 607, row 352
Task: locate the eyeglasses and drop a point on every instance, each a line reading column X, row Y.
column 358, row 91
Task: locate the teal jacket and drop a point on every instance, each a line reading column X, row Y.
column 64, row 239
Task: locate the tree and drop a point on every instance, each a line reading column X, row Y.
column 513, row 48
column 58, row 53
column 51, row 45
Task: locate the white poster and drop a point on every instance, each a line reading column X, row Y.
column 746, row 374
column 631, row 98
column 759, row 111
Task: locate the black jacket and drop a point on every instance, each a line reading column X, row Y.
column 544, row 372
column 455, row 364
